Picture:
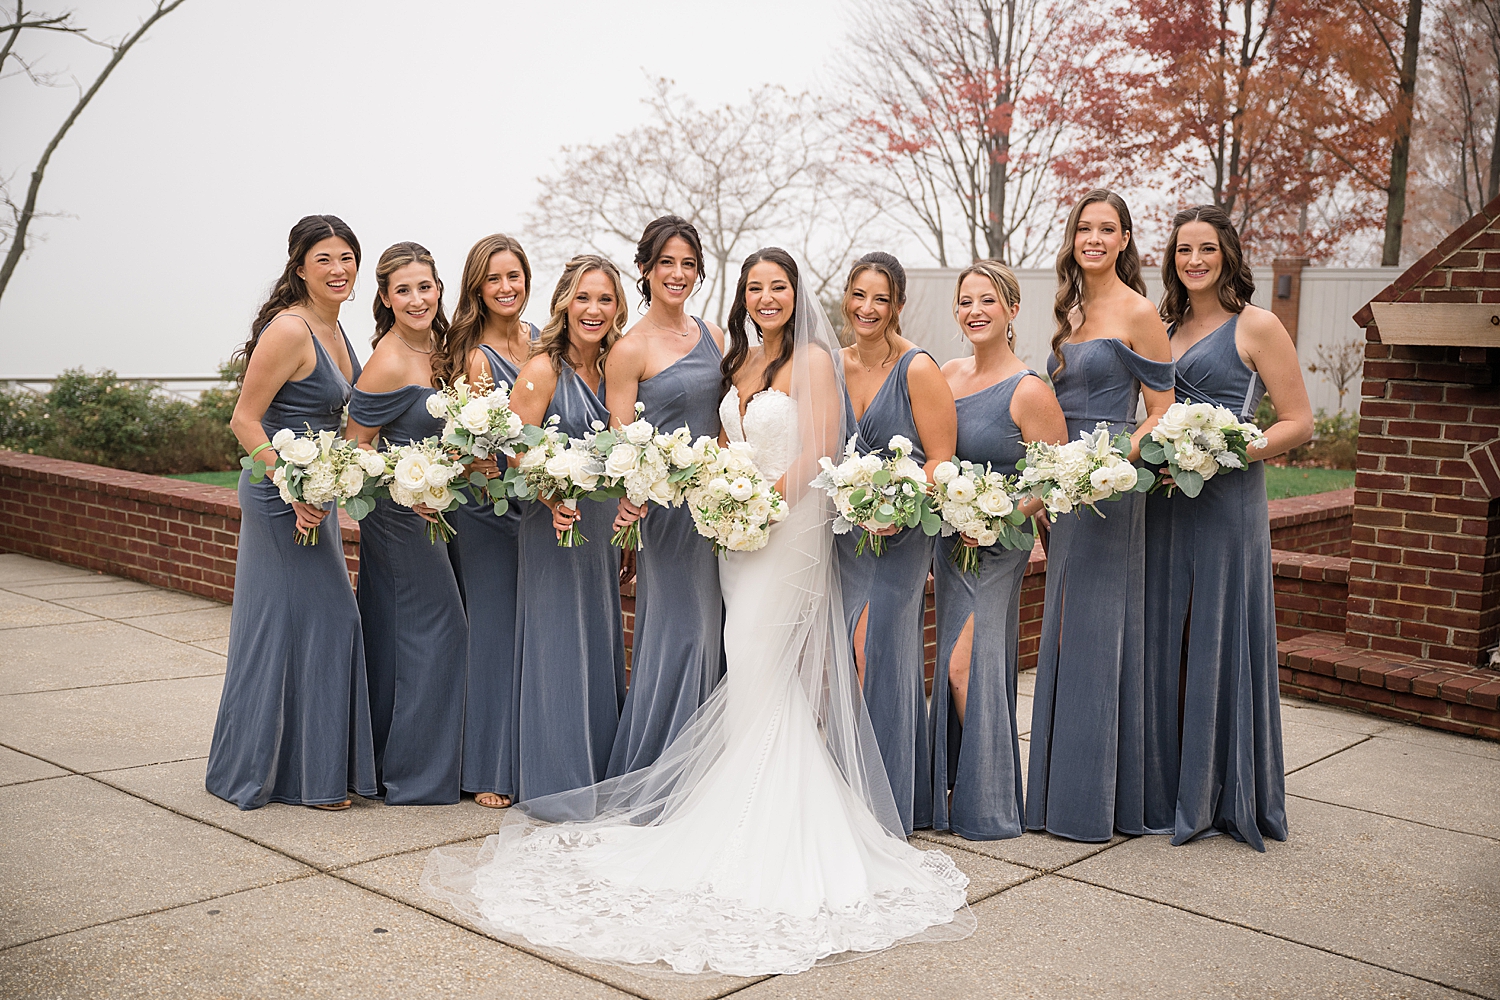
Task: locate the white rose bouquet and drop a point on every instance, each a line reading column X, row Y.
column 874, row 493
column 424, row 473
column 318, row 468
column 638, row 466
column 564, row 468
column 1084, row 472
column 732, row 504
column 978, row 502
column 478, row 423
column 1197, row 441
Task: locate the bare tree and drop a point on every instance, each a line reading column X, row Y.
column 15, row 229
column 1340, row 364
column 957, row 105
column 744, row 174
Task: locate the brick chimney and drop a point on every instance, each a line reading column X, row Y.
column 1286, row 291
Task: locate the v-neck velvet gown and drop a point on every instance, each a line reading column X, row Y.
column 416, row 634
column 1211, row 622
column 893, row 586
column 294, row 719
column 676, row 656
column 1086, row 774
column 568, row 640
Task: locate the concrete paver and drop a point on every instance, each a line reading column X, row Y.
column 16, row 568
column 189, row 626
column 18, row 767
column 83, row 586
column 48, row 659
column 134, row 604
column 1303, row 744
column 17, row 611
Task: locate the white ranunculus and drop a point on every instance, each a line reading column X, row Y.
column 475, row 416
column 742, row 489
column 908, row 468
column 351, row 480
column 718, row 486
column 944, row 473
column 622, row 459
column 299, row 451
column 995, row 503
column 1123, row 477
column 411, row 471
column 961, row 488
column 901, row 444
column 870, row 464
column 1058, row 502
column 437, row 405
column 639, row 432
column 282, row 438
column 371, row 462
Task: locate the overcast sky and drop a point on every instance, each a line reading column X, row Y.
column 411, row 120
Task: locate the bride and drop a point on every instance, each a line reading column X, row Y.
column 765, row 838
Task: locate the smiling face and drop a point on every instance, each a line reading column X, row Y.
column 329, row 270
column 412, row 294
column 592, row 310
column 504, row 289
column 769, row 296
column 982, row 311
column 674, row 275
column 868, row 307
column 1199, row 256
column 1099, row 238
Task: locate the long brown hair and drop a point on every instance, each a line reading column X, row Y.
column 654, row 240
column 895, row 276
column 739, row 338
column 395, row 257
column 290, row 289
column 451, row 359
column 555, row 342
column 1006, row 286
column 1236, row 282
column 1070, row 274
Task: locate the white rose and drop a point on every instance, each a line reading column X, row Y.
column 870, row 464
column 682, row 455
column 945, row 472
column 437, row 497
column 622, row 459
column 437, row 405
column 1058, row 502
column 986, row 536
column 371, row 462
column 759, row 509
column 639, row 433
column 662, row 493
column 300, row 451
column 440, row 475
column 475, row 416
column 901, row 444
column 742, row 489
column 282, row 438
column 961, row 488
column 908, row 468
column 534, row 458
column 351, row 480
column 995, row 503
column 411, row 471
column 1123, row 477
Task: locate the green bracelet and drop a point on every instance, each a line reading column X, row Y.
column 257, row 451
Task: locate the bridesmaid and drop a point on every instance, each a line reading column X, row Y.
column 893, row 387
column 1086, row 773
column 294, row 725
column 416, row 638
column 1213, row 721
column 1001, row 405
column 669, row 362
column 489, row 339
column 570, row 650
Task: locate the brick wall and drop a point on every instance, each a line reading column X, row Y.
column 1317, row 524
column 1311, row 592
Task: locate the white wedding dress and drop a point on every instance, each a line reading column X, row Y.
column 762, row 840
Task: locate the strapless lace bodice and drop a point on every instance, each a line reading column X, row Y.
column 770, row 425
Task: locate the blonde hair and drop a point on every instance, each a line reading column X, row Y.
column 1006, row 284
column 554, row 341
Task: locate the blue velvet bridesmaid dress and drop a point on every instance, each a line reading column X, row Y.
column 1086, row 774
column 1209, row 589
column 893, row 586
column 416, row 635
column 568, row 640
column 677, row 655
column 484, row 556
column 980, row 759
column 294, row 722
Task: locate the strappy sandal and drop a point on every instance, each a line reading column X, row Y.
column 331, row 806
column 502, row 801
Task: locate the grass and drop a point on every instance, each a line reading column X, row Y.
column 230, row 478
column 1283, row 482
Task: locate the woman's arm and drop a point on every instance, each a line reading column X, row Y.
column 932, row 410
column 383, row 373
column 1147, row 336
column 1035, row 410
column 535, row 384
column 1274, row 356
column 623, row 368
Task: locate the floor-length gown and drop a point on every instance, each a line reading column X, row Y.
column 980, row 758
column 484, row 555
column 416, row 635
column 1086, row 772
column 892, row 586
column 294, row 722
column 1209, row 588
column 676, row 657
column 750, row 847
column 569, row 646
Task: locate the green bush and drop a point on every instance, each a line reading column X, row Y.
column 126, row 425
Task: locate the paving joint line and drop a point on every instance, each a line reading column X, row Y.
column 1399, row 819
column 1326, row 756
column 105, row 684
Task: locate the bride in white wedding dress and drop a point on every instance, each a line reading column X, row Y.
column 765, row 839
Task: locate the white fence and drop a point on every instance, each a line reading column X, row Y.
column 1330, row 298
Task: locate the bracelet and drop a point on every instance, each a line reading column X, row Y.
column 257, row 451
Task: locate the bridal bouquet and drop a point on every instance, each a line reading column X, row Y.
column 1082, row 472
column 977, row 501
column 424, row 473
column 638, row 464
column 567, row 469
column 1197, row 441
column 319, row 467
column 875, row 493
column 478, row 423
column 732, row 504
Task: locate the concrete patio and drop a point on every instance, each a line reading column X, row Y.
column 122, row 877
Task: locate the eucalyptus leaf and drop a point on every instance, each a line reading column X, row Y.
column 1152, row 451
column 881, row 478
column 501, row 506
column 1190, row 482
column 1144, row 480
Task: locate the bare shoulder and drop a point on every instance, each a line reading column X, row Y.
column 819, row 364
column 537, row 374
column 1146, row 334
column 1031, row 390
column 1261, row 326
column 955, row 367
column 923, row 374
column 384, row 371
column 287, row 333
column 630, row 350
column 716, row 333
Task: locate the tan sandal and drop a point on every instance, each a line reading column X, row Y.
column 499, row 801
column 331, row 806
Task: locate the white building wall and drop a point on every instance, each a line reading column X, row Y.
column 1330, row 297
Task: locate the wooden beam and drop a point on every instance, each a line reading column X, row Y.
column 1448, row 324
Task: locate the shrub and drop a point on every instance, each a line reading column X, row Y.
column 1334, row 443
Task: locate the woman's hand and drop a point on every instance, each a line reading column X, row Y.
column 885, row 532
column 426, row 513
column 309, row 516
column 970, row 542
column 563, row 515
column 488, row 466
column 629, row 513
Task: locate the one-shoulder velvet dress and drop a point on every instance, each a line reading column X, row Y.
column 1086, row 773
column 676, row 656
column 1209, row 588
column 893, row 586
column 980, row 759
column 294, row 722
column 568, row 640
column 416, row 635
column 484, row 556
